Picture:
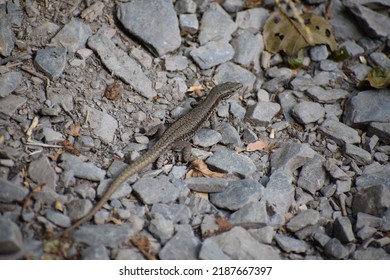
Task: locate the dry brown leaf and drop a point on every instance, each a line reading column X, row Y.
column 261, row 145
column 113, row 91
column 195, row 88
column 74, row 130
column 200, row 169
column 202, row 195
column 223, row 226
column 70, row 148
column 143, row 244
column 58, row 206
column 114, row 221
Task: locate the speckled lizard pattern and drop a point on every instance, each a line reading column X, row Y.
column 181, row 130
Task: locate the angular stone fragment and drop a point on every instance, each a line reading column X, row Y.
column 73, row 35
column 291, row 156
column 9, row 82
column 121, row 64
column 238, row 244
column 308, row 112
column 51, row 61
column 368, row 106
column 212, row 53
column 154, row 22
column 216, row 25
column 339, row 132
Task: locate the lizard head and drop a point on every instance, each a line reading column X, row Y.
column 227, row 89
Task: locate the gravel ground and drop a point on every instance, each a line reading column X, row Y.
column 305, row 152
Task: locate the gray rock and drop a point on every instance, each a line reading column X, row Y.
column 303, row 219
column 302, row 83
column 73, row 35
column 11, row 192
column 238, row 244
column 188, row 23
column 368, row 106
column 229, row 135
column 262, row 112
column 278, row 195
column 381, row 157
column 211, row 251
column 328, row 65
column 326, row 96
column 359, row 71
column 233, row 6
column 257, row 214
column 370, row 253
column 335, row 171
column 58, row 218
column 287, row 101
column 216, row 25
column 237, row 110
column 375, row 24
column 359, row 155
column 11, row 240
column 212, row 53
column 231, row 162
column 107, row 235
column 161, row 228
column 152, row 191
column 247, row 49
column 9, row 82
column 318, row 53
column 182, row 246
column 352, row 48
column 178, row 213
column 207, row 137
column 252, row 19
column 325, row 208
column 343, row 186
column 312, row 176
column 377, row 175
column 373, row 200
column 118, row 62
column 366, row 232
column 276, row 83
column 339, row 132
column 103, row 124
column 230, row 72
column 321, row 238
column 237, row 194
column 7, row 37
column 206, row 185
column 78, row 208
column 335, row 249
column 249, row 136
column 52, row 136
column 366, row 220
column 342, row 230
column 307, row 112
column 291, row 156
column 97, row 252
column 289, row 244
column 51, row 61
column 380, row 59
column 264, row 234
column 11, row 103
column 176, row 62
column 161, row 34
column 83, row 170
column 382, row 130
column 41, row 171
column 185, row 7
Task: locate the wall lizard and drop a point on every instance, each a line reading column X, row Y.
column 181, row 130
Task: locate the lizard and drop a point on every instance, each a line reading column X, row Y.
column 181, row 130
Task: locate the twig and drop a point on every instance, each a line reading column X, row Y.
column 34, row 143
column 328, row 9
column 36, row 74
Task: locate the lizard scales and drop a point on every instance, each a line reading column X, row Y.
column 183, row 129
